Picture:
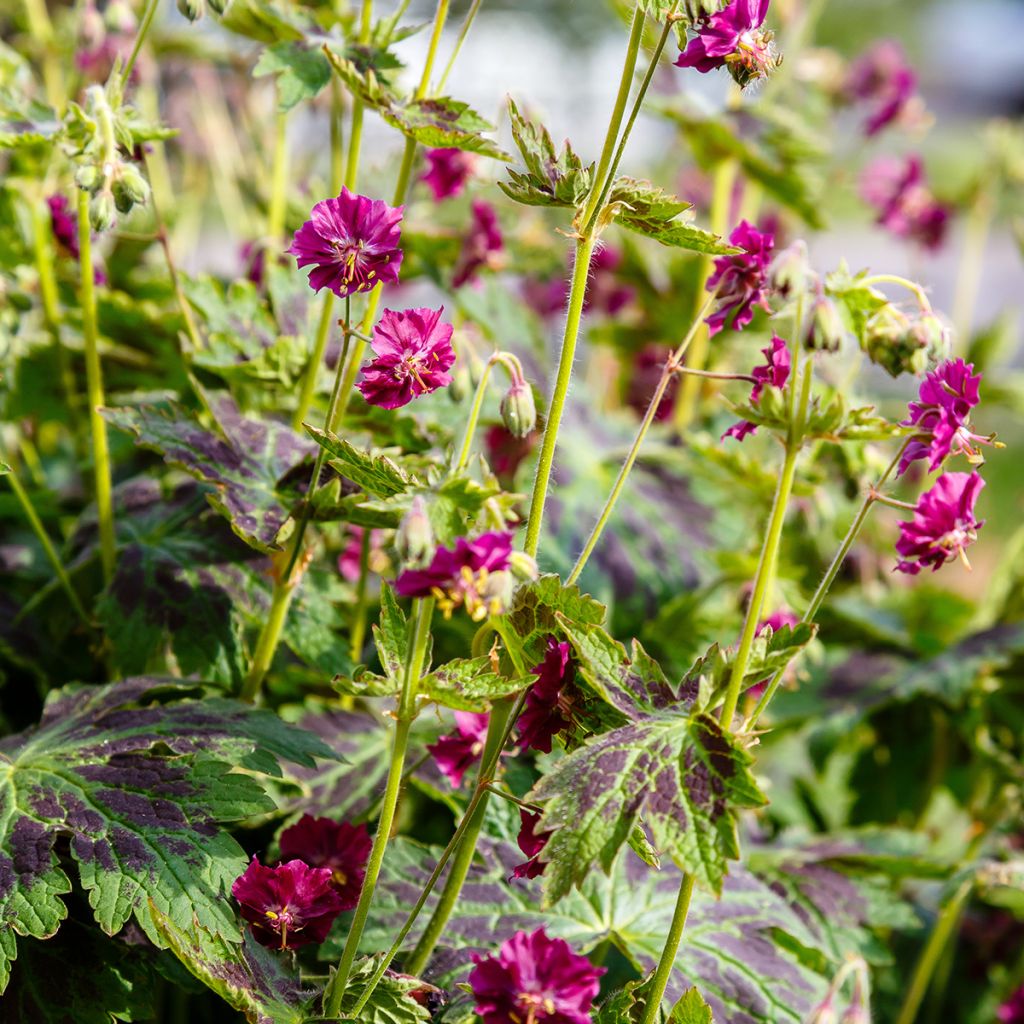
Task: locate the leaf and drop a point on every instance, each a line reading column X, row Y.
column 245, row 465
column 376, row 474
column 444, row 123
column 137, row 788
column 302, row 72
column 25, row 121
column 391, row 635
column 534, row 614
column 690, row 1009
column 264, row 20
column 391, row 1002
column 468, row 684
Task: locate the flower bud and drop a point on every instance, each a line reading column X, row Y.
column 102, row 213
column 856, row 1014
column 192, row 9
column 414, row 540
column 522, row 566
column 890, row 342
column 134, row 184
column 791, row 271
column 824, row 1013
column 87, row 177
column 518, row 411
column 460, row 385
column 218, row 6
column 935, row 337
column 826, row 330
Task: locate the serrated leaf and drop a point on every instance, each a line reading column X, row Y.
column 24, row 121
column 690, row 1009
column 264, row 20
column 637, row 198
column 444, row 123
column 391, row 635
column 376, row 474
column 468, row 684
column 391, row 1001
column 677, row 234
column 533, row 615
column 302, row 71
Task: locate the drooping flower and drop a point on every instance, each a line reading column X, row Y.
column 1012, row 1011
column 883, row 76
column 531, row 844
column 412, row 355
column 457, row 752
column 481, row 243
column 548, row 707
column 339, row 846
column 733, row 38
column 534, row 979
column 943, row 524
column 474, row 573
column 351, row 242
column 448, row 171
column 289, row 905
column 739, row 280
column 905, row 204
column 945, row 400
column 774, row 373
column 505, row 452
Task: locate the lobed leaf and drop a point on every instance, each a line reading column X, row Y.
column 376, row 474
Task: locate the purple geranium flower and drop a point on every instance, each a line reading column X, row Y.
column 946, row 397
column 730, row 38
column 456, row 752
column 448, row 172
column 605, row 293
column 413, row 353
column 474, row 573
column 288, row 906
column 943, row 524
column 774, row 373
column 534, row 979
column 882, row 75
column 1012, row 1011
column 739, row 281
column 339, row 846
column 351, row 242
column 484, row 239
column 549, row 700
column 905, row 204
column 531, row 844
column 64, row 224
column 505, row 452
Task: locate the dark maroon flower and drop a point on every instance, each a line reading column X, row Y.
column 946, row 397
column 484, row 239
column 505, row 452
column 531, row 844
column 943, row 524
column 474, row 573
column 64, row 223
column 351, row 242
column 1012, row 1011
column 534, row 980
column 883, row 76
column 905, row 204
column 774, row 373
column 457, row 752
column 323, row 843
column 730, row 38
column 739, row 280
column 288, row 906
column 549, row 700
column 412, row 355
column 448, row 172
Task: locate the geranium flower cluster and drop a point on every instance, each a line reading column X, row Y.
column 905, row 204
column 883, row 78
column 733, row 38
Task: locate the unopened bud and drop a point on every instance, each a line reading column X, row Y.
column 824, row 1014
column 518, row 411
column 460, row 385
column 522, row 566
column 134, row 184
column 192, row 9
column 890, row 342
column 414, row 540
column 791, row 270
column 935, row 337
column 218, row 6
column 87, row 177
column 856, row 1014
column 102, row 213
column 826, row 330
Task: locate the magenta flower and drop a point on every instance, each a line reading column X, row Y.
column 449, row 171
column 351, row 243
column 480, row 245
column 339, row 846
column 776, row 621
column 730, row 38
column 739, row 281
column 883, row 76
column 905, row 204
column 288, row 906
column 474, row 573
column 531, row 844
column 943, row 524
column 505, row 452
column 534, row 980
column 457, row 752
column 549, row 700
column 774, row 373
column 946, row 397
column 412, row 355
column 351, row 555
column 1012, row 1011
column 64, row 224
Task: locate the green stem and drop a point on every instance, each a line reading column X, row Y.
column 337, row 139
column 577, row 291
column 355, row 138
column 359, row 612
column 658, row 984
column 51, row 553
column 406, row 713
column 474, row 416
column 140, row 37
column 279, row 179
column 94, row 391
column 972, row 263
column 270, row 637
column 467, row 24
column 911, row 286
column 308, row 390
column 41, row 29
column 932, row 952
column 440, row 17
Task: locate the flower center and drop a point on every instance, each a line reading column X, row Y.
column 479, row 591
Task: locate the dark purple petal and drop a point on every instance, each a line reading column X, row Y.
column 457, row 752
column 448, row 172
column 531, row 844
column 342, row 848
column 548, row 699
column 481, row 243
column 739, row 281
column 943, row 524
column 904, row 203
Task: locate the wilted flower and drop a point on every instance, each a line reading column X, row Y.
column 905, row 204
column 474, row 573
column 548, row 707
column 531, row 844
column 288, row 906
column 534, row 979
column 882, row 75
column 448, row 172
column 338, row 846
column 1012, row 1011
column 775, row 372
column 457, row 752
column 943, row 524
column 484, row 239
column 739, row 280
column 351, row 242
column 732, row 38
column 945, row 400
column 412, row 355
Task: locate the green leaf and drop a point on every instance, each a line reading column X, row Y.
column 467, row 684
column 376, row 474
column 392, row 1001
column 25, row 121
column 690, row 1009
column 534, row 614
column 302, row 72
column 264, row 20
column 391, row 635
column 444, row 123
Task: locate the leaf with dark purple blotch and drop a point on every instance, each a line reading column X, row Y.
column 442, row 122
column 135, row 776
column 376, row 474
column 536, row 606
column 392, row 1001
column 468, row 684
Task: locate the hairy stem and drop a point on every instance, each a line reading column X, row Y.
column 911, row 286
column 140, row 38
column 474, row 417
column 658, row 984
column 467, row 24
column 308, row 390
column 278, row 206
column 270, row 637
